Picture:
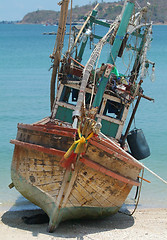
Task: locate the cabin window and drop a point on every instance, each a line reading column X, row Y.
column 70, row 96
column 113, row 109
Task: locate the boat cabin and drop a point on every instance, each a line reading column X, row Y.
column 114, row 100
column 112, row 111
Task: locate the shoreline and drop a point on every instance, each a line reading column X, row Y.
column 19, row 203
column 144, row 224
column 74, row 23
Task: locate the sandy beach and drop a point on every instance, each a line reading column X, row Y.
column 144, row 224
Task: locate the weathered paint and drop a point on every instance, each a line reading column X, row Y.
column 47, row 202
column 100, row 182
column 53, row 129
column 109, row 128
column 64, row 114
column 38, row 148
column 114, row 53
column 121, row 31
column 110, row 173
column 102, row 144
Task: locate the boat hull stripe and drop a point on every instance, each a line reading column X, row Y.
column 108, row 172
column 46, row 129
column 39, row 148
column 118, row 153
column 86, row 161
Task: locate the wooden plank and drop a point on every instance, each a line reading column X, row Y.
column 44, row 168
column 71, row 183
column 52, row 177
column 45, row 162
column 44, row 175
column 109, row 148
column 108, row 172
column 105, row 186
column 48, row 179
column 69, row 204
column 39, row 148
column 112, row 162
column 91, row 200
column 86, row 183
column 92, row 186
column 94, row 193
column 109, row 119
column 50, row 187
column 45, row 128
column 49, row 126
column 63, row 186
column 54, row 193
column 73, row 200
column 88, row 90
column 78, row 196
column 55, row 106
column 123, row 119
column 61, row 143
column 43, row 121
column 66, row 105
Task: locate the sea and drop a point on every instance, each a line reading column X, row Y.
column 25, row 98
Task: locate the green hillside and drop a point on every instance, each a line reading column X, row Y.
column 108, row 11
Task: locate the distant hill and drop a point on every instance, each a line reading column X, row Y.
column 108, row 11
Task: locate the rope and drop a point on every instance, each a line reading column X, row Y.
column 76, row 148
column 137, row 202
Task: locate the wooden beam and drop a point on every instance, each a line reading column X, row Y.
column 57, row 131
column 58, row 47
column 39, row 148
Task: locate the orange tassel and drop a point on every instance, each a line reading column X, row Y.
column 66, row 162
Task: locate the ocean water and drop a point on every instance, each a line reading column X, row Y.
column 24, row 98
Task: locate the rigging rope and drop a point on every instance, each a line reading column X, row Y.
column 137, row 202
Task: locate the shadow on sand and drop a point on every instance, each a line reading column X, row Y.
column 68, row 229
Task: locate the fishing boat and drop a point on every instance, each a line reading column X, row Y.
column 76, row 163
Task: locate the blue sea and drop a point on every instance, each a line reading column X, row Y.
column 24, row 98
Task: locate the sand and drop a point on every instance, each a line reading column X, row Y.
column 144, row 224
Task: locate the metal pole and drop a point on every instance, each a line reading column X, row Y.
column 130, row 121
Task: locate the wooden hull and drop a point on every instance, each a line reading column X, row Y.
column 97, row 186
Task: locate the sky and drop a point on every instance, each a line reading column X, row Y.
column 13, row 10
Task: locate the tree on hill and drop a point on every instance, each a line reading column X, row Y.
column 108, row 11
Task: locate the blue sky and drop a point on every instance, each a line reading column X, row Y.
column 11, row 10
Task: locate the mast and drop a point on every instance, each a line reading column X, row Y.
column 126, row 15
column 86, row 74
column 58, row 47
column 125, row 18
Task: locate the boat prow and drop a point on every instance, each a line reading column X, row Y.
column 96, row 185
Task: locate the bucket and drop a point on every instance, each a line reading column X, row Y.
column 138, row 144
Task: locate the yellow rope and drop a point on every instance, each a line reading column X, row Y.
column 79, row 145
